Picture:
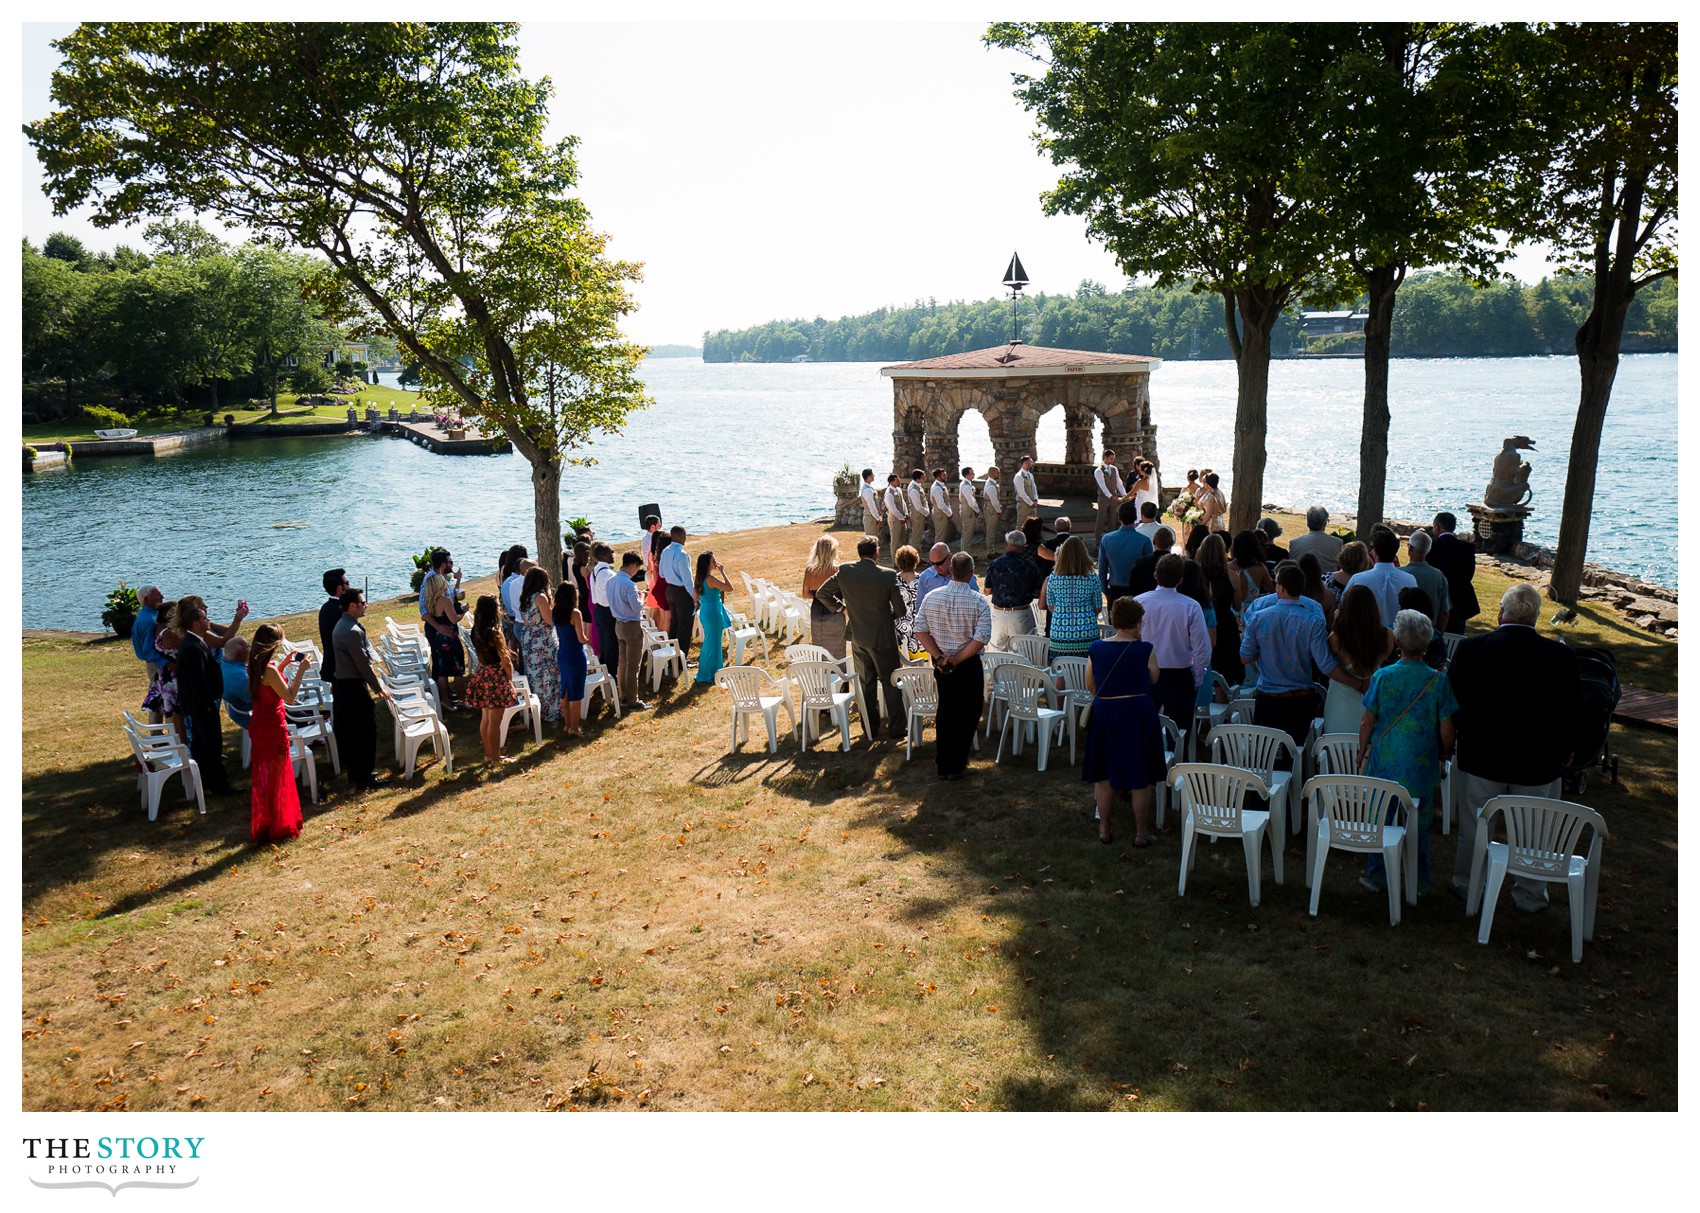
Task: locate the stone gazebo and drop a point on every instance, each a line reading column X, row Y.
column 1013, row 386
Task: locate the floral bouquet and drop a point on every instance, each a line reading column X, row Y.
column 1194, row 516
column 1182, row 508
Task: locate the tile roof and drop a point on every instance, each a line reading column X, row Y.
column 1016, row 357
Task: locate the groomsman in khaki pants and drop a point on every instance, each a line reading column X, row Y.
column 916, row 495
column 944, row 526
column 991, row 507
column 896, row 515
column 1026, row 492
column 1108, row 480
column 968, row 509
column 870, row 504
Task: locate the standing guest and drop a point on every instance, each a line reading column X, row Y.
column 712, row 587
column 571, row 637
column 440, row 608
column 1174, row 624
column 1195, row 540
column 273, row 803
column 352, row 717
column 238, row 690
column 1284, row 640
column 1124, row 743
column 1429, row 579
column 872, row 605
column 937, row 575
column 1107, row 479
column 1414, row 598
column 919, row 510
column 1273, row 553
column 1406, row 733
column 657, row 597
column 1519, row 704
column 1070, row 598
column 161, row 698
column 335, row 582
column 1046, row 552
column 954, row 625
column 1210, row 499
column 826, row 623
column 1456, row 561
column 992, row 514
column 581, row 565
column 200, row 689
column 870, row 503
column 1361, row 644
column 896, row 512
column 1251, row 576
column 625, row 605
column 675, row 566
column 519, row 564
column 1354, row 559
column 1213, row 567
column 1013, row 581
column 908, row 586
column 491, row 688
column 1385, row 578
column 1316, row 589
column 1317, row 541
column 646, row 543
column 144, row 633
column 1143, row 578
column 542, row 645
column 601, row 574
column 968, row 508
column 1148, row 523
column 1118, row 552
column 1026, row 492
column 944, row 525
column 217, row 634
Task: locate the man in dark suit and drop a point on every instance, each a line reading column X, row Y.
column 1145, row 571
column 335, row 582
column 200, row 688
column 1519, row 702
column 1456, row 560
column 873, row 604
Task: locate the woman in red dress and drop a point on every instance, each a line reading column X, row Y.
column 276, row 807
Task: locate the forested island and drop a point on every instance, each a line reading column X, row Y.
column 1438, row 316
column 674, row 351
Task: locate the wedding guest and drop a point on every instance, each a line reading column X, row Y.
column 1415, row 598
column 1195, row 540
column 1405, row 733
column 1045, row 551
column 919, row 511
column 1070, row 597
column 1118, row 551
column 872, row 604
column 571, row 637
column 1213, row 567
column 1270, row 530
column 657, row 597
column 675, row 566
column 581, row 565
column 607, row 641
column 519, row 564
column 143, row 634
column 712, row 587
column 968, row 508
column 217, row 634
column 161, row 698
column 1317, row 541
column 1284, row 640
column 1124, row 744
column 1456, row 560
column 1174, row 624
column 826, row 625
column 1385, row 578
column 352, row 717
column 944, row 524
column 238, row 691
column 200, row 689
column 274, row 806
column 1251, row 575
column 896, row 512
column 937, row 574
column 1362, row 645
column 440, row 605
column 491, row 687
column 1354, row 559
column 870, row 503
column 1107, row 480
column 1429, row 579
column 625, row 608
column 908, row 586
column 1148, row 522
column 953, row 626
column 1143, row 578
column 1013, row 581
column 330, row 614
column 542, row 645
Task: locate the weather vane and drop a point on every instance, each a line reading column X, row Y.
column 1015, row 277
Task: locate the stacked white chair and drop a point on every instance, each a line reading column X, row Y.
column 1213, row 803
column 527, row 706
column 661, row 656
column 311, row 722
column 160, row 756
column 1541, row 838
column 598, row 681
column 1350, row 813
column 1033, row 648
column 1024, row 690
column 755, row 692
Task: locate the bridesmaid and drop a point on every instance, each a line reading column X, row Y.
column 570, row 640
column 275, row 807
column 712, row 586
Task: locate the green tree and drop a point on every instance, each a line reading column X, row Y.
column 1604, row 97
column 59, row 316
column 410, row 155
column 283, row 320
column 1185, row 146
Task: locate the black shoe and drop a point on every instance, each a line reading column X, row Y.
column 637, row 705
column 952, row 775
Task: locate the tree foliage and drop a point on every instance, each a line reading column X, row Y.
column 411, row 155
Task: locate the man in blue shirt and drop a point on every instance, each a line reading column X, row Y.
column 1118, row 552
column 938, row 576
column 626, row 606
column 1285, row 640
column 233, row 664
column 675, row 568
column 142, row 634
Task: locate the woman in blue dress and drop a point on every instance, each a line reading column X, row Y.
column 1124, row 745
column 712, row 586
column 570, row 639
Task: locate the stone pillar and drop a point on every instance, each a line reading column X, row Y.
column 1499, row 529
column 941, row 452
column 1077, row 422
column 909, row 426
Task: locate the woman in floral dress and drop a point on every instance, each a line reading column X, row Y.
column 541, row 656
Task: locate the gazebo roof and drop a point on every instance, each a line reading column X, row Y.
column 1024, row 361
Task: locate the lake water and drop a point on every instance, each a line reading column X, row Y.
column 729, row 446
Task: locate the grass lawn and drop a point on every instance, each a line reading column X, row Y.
column 644, row 920
column 290, row 411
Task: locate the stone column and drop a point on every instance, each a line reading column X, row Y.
column 1077, row 422
column 908, row 434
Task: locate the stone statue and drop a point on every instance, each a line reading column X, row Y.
column 1510, row 484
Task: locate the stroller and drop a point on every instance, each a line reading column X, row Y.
column 1597, row 669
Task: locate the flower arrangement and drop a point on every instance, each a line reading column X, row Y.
column 122, row 607
column 1183, row 509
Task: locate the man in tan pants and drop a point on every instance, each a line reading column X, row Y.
column 944, row 529
column 991, row 509
column 968, row 509
column 1107, row 479
column 896, row 516
column 916, row 495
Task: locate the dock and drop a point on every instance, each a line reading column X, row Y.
column 1648, row 709
column 425, row 432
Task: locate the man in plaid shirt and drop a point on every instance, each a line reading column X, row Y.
column 953, row 625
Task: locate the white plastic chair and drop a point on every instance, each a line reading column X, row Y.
column 990, row 664
column 742, row 634
column 1172, row 742
column 920, row 690
column 793, row 616
column 755, row 692
column 1208, row 717
column 1213, row 803
column 1071, row 695
column 1033, row 648
column 1350, row 813
column 1024, row 690
column 1541, row 839
column 662, row 657
column 415, row 725
column 1450, row 640
column 818, row 684
column 598, row 681
column 301, row 760
column 312, row 724
column 528, row 707
column 1257, row 748
column 159, row 757
column 846, row 667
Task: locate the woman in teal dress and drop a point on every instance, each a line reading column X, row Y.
column 1407, row 732
column 712, row 585
column 1071, row 596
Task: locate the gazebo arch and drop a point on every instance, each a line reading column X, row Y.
column 1013, row 386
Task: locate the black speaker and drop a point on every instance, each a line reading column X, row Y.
column 644, row 511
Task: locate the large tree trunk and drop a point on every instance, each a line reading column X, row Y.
column 1382, row 283
column 1597, row 344
column 546, row 502
column 1259, row 308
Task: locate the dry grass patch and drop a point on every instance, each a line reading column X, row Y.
column 642, row 920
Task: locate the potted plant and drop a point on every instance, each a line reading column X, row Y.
column 577, row 528
column 122, row 607
column 422, row 567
